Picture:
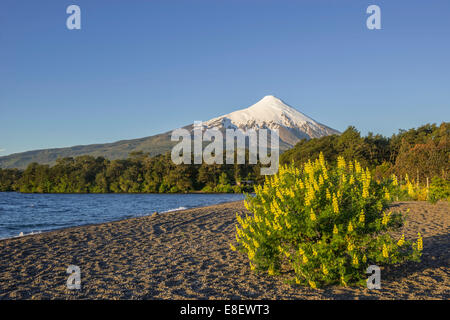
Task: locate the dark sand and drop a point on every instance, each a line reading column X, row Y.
column 186, row 255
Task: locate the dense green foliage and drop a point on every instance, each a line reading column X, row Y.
column 139, row 173
column 439, row 189
column 420, row 153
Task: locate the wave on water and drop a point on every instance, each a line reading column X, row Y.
column 21, row 235
column 176, row 209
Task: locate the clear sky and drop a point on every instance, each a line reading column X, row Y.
column 138, row 68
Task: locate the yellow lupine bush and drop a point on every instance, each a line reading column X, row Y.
column 408, row 189
column 325, row 224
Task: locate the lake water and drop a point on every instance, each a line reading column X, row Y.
column 34, row 213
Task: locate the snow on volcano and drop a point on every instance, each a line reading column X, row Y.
column 271, row 112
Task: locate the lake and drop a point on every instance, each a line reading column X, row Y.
column 34, row 213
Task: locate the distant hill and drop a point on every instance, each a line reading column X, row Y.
column 269, row 112
column 154, row 145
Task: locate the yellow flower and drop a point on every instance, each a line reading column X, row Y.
column 394, row 180
column 314, row 253
column 385, row 251
column 321, row 180
column 325, row 174
column 305, row 259
column 410, row 189
column 335, row 204
column 385, row 219
column 297, row 280
column 341, row 162
column 355, row 260
column 324, row 269
column 232, row 247
column 357, row 167
column 309, row 195
column 322, row 159
column 352, row 180
column 350, row 246
column 238, row 217
column 271, row 272
column 368, row 176
column 312, row 216
column 316, row 186
column 364, row 259
column 312, row 284
column 362, row 217
column 350, row 227
column 280, row 196
column 252, row 267
column 255, row 243
column 365, row 192
column 419, row 242
column 401, row 241
column 350, row 166
column 335, row 230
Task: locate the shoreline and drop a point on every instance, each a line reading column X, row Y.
column 126, row 193
column 100, row 223
column 187, row 256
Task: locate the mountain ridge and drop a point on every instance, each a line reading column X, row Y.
column 269, row 112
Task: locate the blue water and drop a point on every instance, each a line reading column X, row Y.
column 34, row 213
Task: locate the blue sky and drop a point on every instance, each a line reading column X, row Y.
column 138, row 68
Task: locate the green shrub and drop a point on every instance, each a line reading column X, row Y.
column 224, row 188
column 237, row 189
column 208, row 189
column 324, row 225
column 439, row 190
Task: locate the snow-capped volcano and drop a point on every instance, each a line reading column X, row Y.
column 271, row 112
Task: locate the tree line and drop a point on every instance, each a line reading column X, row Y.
column 419, row 153
column 139, row 173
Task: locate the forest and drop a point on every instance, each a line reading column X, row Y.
column 422, row 154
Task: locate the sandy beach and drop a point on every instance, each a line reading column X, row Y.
column 186, row 255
